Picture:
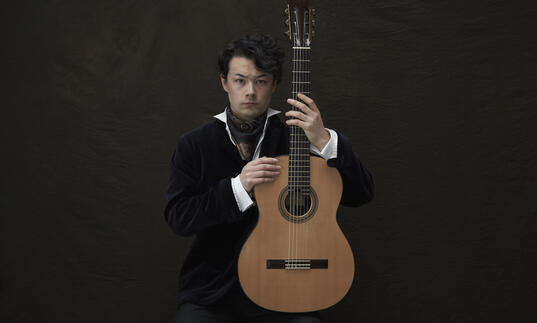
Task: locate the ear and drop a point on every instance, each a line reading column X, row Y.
column 223, row 80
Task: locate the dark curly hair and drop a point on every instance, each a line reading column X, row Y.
column 262, row 49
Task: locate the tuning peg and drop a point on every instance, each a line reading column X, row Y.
column 288, row 33
column 313, row 12
column 313, row 33
column 287, row 22
column 286, row 12
column 313, row 22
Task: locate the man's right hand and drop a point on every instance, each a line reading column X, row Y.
column 261, row 170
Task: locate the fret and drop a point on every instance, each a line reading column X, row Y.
column 301, row 60
column 303, row 92
column 300, row 82
column 304, row 72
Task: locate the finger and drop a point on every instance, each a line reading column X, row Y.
column 304, row 108
column 298, row 115
column 264, row 160
column 265, row 173
column 262, row 180
column 261, row 161
column 262, row 167
column 309, row 101
column 296, row 122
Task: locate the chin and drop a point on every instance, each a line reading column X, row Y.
column 252, row 114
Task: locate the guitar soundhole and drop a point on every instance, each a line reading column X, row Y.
column 297, row 205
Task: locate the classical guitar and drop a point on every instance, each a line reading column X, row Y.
column 296, row 259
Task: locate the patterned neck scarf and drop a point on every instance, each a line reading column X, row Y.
column 246, row 133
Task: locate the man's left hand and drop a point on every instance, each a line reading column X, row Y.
column 308, row 117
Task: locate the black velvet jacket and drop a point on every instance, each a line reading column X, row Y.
column 200, row 202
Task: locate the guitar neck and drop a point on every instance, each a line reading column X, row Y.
column 299, row 146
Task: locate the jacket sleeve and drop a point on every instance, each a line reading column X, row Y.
column 358, row 186
column 191, row 204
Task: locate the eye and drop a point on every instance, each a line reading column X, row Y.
column 261, row 82
column 239, row 81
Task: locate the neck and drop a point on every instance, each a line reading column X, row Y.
column 299, row 147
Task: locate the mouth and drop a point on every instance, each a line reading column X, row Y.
column 250, row 103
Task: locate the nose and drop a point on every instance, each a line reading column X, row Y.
column 250, row 89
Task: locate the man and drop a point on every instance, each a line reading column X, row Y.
column 213, row 172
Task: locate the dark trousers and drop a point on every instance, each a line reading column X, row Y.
column 235, row 307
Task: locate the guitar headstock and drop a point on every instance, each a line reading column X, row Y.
column 300, row 22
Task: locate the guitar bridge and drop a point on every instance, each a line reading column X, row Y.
column 297, row 264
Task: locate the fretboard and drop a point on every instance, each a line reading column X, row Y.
column 299, row 146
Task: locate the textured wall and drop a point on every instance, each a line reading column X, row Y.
column 437, row 97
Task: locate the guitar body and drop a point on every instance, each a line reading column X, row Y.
column 314, row 236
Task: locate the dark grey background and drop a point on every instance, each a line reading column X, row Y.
column 438, row 98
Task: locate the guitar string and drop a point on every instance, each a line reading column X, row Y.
column 305, row 156
column 295, row 156
column 302, row 156
column 297, row 162
column 290, row 185
column 293, row 170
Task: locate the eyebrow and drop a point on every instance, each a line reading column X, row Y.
column 255, row 77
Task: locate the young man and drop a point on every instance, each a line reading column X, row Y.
column 213, row 172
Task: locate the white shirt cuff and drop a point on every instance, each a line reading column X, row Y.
column 241, row 196
column 330, row 150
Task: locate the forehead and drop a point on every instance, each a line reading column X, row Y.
column 244, row 66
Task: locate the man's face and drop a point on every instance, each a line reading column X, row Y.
column 249, row 89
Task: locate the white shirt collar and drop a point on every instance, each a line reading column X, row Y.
column 223, row 116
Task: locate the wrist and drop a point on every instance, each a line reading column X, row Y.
column 246, row 188
column 323, row 141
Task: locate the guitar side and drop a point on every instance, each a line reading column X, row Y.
column 319, row 238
